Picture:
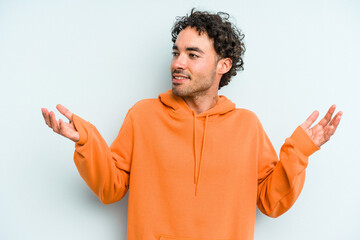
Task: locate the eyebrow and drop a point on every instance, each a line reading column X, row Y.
column 195, row 49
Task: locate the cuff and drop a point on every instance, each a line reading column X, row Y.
column 303, row 142
column 80, row 125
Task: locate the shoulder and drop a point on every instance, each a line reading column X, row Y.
column 246, row 118
column 145, row 106
column 246, row 114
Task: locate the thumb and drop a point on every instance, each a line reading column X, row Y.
column 310, row 120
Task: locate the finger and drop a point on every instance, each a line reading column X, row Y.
column 61, row 126
column 310, row 120
column 336, row 118
column 326, row 119
column 46, row 117
column 54, row 123
column 43, row 114
column 334, row 123
column 64, row 111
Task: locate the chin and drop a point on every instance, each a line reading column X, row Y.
column 176, row 91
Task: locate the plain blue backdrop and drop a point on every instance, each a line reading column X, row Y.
column 99, row 57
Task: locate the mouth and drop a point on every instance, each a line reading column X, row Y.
column 179, row 78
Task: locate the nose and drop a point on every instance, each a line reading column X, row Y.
column 179, row 62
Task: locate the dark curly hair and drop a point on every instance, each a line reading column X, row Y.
column 228, row 40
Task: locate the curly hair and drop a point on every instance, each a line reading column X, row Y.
column 227, row 38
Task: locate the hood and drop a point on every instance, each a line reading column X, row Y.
column 178, row 104
column 180, row 107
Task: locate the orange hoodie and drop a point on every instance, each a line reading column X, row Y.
column 192, row 177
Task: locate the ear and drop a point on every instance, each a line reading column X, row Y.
column 224, row 65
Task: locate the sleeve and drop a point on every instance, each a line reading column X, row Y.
column 106, row 170
column 281, row 181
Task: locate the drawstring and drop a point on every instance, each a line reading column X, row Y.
column 197, row 178
column 194, row 145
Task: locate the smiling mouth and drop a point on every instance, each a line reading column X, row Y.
column 179, row 79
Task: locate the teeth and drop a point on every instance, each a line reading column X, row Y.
column 180, row 78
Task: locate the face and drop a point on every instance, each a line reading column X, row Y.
column 194, row 63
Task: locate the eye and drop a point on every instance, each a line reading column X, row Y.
column 175, row 54
column 192, row 55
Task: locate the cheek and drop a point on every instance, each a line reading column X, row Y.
column 203, row 68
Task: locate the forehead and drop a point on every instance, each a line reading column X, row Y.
column 190, row 37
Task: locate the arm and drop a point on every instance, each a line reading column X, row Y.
column 280, row 182
column 105, row 170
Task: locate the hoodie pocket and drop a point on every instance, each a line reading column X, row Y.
column 164, row 237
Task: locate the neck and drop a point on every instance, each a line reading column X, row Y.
column 201, row 103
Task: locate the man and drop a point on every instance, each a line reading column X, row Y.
column 195, row 166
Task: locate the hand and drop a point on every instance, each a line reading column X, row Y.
column 65, row 129
column 322, row 131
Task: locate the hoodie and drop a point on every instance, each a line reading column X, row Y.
column 192, row 176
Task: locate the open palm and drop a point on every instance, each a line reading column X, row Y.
column 321, row 132
column 66, row 129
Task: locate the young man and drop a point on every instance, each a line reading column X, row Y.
column 195, row 166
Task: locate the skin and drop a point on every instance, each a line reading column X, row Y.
column 199, row 66
column 65, row 129
column 196, row 72
column 322, row 131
